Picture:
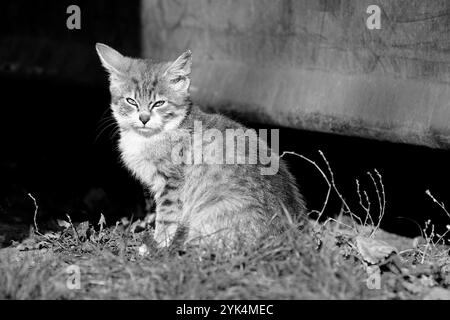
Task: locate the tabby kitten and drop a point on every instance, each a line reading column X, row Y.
column 211, row 202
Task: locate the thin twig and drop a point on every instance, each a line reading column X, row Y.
column 323, row 175
column 366, row 208
column 441, row 237
column 333, row 184
column 36, row 207
column 73, row 228
column 381, row 199
column 440, row 204
column 380, row 179
column 429, row 238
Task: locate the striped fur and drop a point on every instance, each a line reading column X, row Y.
column 207, row 202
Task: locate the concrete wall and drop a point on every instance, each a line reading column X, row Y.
column 313, row 64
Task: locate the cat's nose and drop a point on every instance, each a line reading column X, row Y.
column 144, row 117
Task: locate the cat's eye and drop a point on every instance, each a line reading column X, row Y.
column 132, row 102
column 158, row 103
column 177, row 79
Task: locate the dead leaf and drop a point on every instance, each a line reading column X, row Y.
column 125, row 221
column 374, row 251
column 137, row 226
column 63, row 223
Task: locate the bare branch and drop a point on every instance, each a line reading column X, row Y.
column 323, row 175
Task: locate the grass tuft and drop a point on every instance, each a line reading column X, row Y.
column 345, row 257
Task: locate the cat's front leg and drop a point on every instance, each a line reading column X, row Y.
column 168, row 218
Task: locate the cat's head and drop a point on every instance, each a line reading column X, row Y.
column 147, row 97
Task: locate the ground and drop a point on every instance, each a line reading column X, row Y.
column 345, row 257
column 330, row 260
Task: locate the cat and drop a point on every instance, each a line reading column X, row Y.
column 214, row 202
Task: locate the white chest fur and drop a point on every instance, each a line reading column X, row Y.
column 140, row 155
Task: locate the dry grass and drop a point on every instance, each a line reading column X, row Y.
column 328, row 260
column 287, row 267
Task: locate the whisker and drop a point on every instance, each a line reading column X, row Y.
column 103, row 130
column 104, row 113
column 106, row 120
column 115, row 133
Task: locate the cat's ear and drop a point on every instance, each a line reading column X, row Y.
column 178, row 71
column 181, row 66
column 111, row 59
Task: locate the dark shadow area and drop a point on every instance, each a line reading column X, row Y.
column 36, row 42
column 58, row 145
column 53, row 96
column 407, row 172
